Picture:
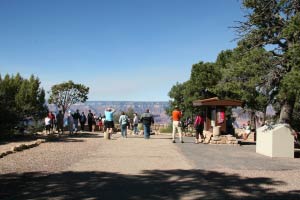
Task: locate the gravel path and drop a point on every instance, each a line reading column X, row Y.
column 50, row 156
column 90, row 152
column 89, row 167
column 133, row 156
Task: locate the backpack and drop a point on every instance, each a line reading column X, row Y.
column 125, row 120
column 82, row 118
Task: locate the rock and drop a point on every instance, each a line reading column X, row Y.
column 216, row 138
column 2, row 154
column 40, row 141
column 32, row 145
column 106, row 136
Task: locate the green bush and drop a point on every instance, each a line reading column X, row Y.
column 20, row 98
column 167, row 129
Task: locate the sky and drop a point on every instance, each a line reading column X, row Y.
column 123, row 50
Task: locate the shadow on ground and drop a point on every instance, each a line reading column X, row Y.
column 19, row 138
column 78, row 137
column 49, row 138
column 170, row 184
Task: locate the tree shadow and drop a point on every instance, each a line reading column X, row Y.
column 20, row 138
column 154, row 184
column 297, row 153
column 85, row 135
column 242, row 143
column 78, row 137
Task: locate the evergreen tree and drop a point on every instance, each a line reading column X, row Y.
column 30, row 99
column 275, row 26
column 19, row 97
column 204, row 76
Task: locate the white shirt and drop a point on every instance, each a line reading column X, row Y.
column 47, row 121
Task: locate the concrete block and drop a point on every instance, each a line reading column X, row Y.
column 276, row 141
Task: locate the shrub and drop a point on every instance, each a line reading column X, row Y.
column 167, row 129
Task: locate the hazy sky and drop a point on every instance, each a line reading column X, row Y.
column 121, row 49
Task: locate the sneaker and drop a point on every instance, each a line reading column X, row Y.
column 173, row 141
column 182, row 141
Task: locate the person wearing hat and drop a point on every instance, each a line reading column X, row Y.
column 176, row 117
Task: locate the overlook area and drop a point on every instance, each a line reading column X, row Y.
column 149, row 99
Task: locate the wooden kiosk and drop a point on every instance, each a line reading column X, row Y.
column 215, row 112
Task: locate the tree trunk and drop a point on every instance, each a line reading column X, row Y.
column 253, row 120
column 287, row 110
column 264, row 117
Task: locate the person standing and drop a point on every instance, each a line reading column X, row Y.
column 60, row 122
column 135, row 124
column 52, row 121
column 47, row 124
column 90, row 120
column 109, row 120
column 94, row 123
column 100, row 123
column 76, row 117
column 147, row 120
column 103, row 123
column 123, row 121
column 82, row 121
column 176, row 116
column 247, row 130
column 199, row 126
column 70, row 123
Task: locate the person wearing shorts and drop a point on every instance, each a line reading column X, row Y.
column 109, row 120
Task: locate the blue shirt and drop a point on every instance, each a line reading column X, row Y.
column 109, row 115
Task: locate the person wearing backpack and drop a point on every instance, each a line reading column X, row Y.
column 90, row 119
column 76, row 118
column 60, row 122
column 135, row 124
column 147, row 119
column 123, row 121
column 199, row 126
column 82, row 121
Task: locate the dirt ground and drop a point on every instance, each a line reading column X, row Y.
column 86, row 166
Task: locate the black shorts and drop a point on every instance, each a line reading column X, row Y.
column 48, row 127
column 109, row 124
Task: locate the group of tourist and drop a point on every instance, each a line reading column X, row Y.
column 72, row 121
column 105, row 122
column 146, row 119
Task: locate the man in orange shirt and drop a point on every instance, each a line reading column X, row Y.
column 176, row 116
